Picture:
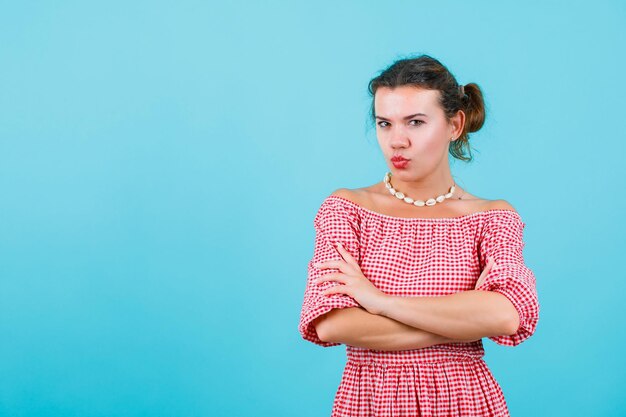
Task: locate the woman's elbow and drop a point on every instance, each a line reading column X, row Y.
column 323, row 327
column 513, row 323
column 509, row 318
column 329, row 326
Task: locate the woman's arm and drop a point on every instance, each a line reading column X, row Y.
column 463, row 315
column 355, row 326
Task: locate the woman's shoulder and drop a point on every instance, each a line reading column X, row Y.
column 498, row 205
column 338, row 209
column 346, row 198
column 502, row 215
column 349, row 194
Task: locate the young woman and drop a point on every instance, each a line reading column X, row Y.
column 412, row 272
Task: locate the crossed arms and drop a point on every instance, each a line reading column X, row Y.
column 417, row 322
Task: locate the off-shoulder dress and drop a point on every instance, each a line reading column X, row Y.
column 420, row 257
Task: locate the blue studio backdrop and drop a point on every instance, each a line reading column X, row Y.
column 161, row 163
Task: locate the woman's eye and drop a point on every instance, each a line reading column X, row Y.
column 382, row 123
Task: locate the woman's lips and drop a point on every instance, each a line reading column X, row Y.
column 400, row 163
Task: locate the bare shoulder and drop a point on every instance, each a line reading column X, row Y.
column 499, row 205
column 348, row 194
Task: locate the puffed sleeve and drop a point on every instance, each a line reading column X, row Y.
column 502, row 239
column 335, row 221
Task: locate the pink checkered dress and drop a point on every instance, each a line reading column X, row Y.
column 421, row 257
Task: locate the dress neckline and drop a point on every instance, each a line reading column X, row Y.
column 426, row 219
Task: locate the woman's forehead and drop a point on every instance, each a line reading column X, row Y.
column 392, row 102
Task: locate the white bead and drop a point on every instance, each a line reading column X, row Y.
column 399, row 195
column 419, row 203
column 452, row 189
column 431, row 202
column 392, row 191
column 440, row 198
column 408, row 200
column 387, row 185
column 448, row 195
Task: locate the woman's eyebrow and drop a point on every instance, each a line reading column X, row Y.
column 405, row 118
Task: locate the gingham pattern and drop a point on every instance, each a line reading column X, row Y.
column 421, row 257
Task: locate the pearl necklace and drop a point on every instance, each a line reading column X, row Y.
column 419, row 203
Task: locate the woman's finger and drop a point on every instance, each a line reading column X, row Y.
column 332, row 263
column 345, row 253
column 490, row 263
column 330, row 277
column 337, row 289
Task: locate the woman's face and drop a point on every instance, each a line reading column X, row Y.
column 411, row 123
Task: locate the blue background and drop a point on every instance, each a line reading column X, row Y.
column 161, row 164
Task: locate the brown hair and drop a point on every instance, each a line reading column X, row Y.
column 426, row 72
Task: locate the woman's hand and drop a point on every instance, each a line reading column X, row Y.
column 355, row 284
column 490, row 263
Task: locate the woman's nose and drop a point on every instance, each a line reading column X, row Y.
column 399, row 139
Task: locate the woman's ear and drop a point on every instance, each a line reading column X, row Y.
column 457, row 122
